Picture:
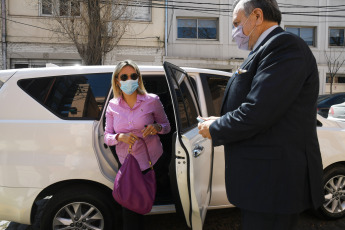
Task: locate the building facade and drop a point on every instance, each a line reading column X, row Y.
column 186, row 33
column 31, row 41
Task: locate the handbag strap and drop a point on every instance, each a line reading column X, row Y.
column 147, row 151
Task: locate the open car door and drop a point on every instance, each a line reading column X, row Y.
column 192, row 157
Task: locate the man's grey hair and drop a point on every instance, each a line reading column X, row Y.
column 269, row 8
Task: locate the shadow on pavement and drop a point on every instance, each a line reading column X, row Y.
column 222, row 219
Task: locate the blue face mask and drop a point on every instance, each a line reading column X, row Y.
column 129, row 86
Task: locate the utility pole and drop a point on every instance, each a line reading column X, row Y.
column 4, row 44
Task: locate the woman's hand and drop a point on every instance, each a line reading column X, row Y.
column 152, row 129
column 128, row 138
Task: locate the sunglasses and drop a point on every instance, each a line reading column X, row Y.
column 124, row 77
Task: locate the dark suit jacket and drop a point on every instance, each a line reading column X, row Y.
column 268, row 129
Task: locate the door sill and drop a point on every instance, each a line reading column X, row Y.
column 162, row 209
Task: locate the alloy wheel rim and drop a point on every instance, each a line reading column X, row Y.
column 335, row 195
column 78, row 216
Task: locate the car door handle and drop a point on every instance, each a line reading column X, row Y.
column 198, row 150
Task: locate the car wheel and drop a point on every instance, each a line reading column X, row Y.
column 80, row 208
column 334, row 191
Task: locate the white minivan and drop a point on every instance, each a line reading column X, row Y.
column 51, row 145
column 56, row 170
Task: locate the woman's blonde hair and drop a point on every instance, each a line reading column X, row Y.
column 116, row 88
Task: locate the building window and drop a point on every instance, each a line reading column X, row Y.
column 306, row 33
column 46, row 7
column 60, row 7
column 339, row 78
column 197, row 28
column 336, row 37
column 138, row 10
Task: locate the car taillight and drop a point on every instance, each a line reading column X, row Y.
column 331, row 111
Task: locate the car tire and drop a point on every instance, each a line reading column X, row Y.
column 334, row 191
column 81, row 208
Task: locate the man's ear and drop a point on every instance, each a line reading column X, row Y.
column 259, row 16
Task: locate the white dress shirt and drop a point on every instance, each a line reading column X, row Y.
column 264, row 35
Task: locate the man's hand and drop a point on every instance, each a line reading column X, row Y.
column 204, row 128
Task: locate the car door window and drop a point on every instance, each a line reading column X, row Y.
column 186, row 106
column 70, row 97
column 214, row 86
column 342, row 99
column 336, row 100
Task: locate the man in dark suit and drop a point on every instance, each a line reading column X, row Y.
column 273, row 167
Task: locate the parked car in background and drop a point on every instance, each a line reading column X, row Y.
column 52, row 148
column 325, row 101
column 337, row 112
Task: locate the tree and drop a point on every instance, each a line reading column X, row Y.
column 334, row 63
column 94, row 26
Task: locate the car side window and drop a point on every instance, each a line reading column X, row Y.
column 342, row 99
column 318, row 123
column 214, row 85
column 70, row 97
column 156, row 84
column 337, row 100
column 186, row 106
column 184, row 95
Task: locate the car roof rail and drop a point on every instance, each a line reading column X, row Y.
column 5, row 75
column 51, row 65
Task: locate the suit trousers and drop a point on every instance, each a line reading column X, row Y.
column 132, row 220
column 268, row 221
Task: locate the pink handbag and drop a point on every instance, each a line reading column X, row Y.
column 133, row 189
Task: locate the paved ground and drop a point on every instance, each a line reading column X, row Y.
column 225, row 219
column 229, row 219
